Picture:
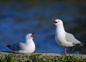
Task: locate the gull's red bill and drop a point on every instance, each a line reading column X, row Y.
column 32, row 35
column 54, row 22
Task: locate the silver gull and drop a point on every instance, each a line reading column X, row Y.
column 24, row 47
column 64, row 38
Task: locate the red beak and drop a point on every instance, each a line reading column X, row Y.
column 32, row 35
column 54, row 22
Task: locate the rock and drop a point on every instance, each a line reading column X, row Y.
column 29, row 56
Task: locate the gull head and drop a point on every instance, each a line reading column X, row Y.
column 30, row 36
column 57, row 22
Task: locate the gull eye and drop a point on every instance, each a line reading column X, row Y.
column 58, row 21
column 28, row 35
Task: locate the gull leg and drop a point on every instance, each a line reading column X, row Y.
column 64, row 51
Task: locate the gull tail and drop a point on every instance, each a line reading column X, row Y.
column 81, row 44
column 9, row 46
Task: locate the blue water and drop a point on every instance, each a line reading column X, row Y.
column 17, row 20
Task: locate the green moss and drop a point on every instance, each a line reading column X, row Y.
column 9, row 58
column 36, row 58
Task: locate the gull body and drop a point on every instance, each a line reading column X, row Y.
column 64, row 38
column 24, row 47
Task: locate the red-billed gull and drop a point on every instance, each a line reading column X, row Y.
column 64, row 38
column 24, row 47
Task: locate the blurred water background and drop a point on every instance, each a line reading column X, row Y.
column 18, row 18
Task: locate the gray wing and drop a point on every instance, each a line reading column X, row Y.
column 18, row 46
column 71, row 38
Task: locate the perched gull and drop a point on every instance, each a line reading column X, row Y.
column 64, row 38
column 24, row 47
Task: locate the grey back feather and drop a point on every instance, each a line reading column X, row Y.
column 17, row 46
column 70, row 38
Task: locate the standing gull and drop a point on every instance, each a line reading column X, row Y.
column 64, row 38
column 24, row 47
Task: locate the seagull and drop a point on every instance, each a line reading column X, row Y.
column 64, row 38
column 24, row 47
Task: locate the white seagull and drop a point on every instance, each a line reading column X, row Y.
column 64, row 38
column 24, row 47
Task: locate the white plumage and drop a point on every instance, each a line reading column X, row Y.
column 62, row 37
column 24, row 47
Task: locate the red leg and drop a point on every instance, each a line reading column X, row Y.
column 64, row 51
